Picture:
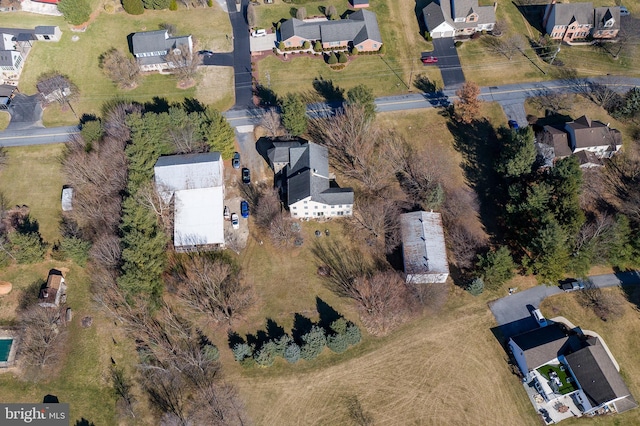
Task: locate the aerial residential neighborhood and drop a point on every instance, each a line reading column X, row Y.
column 338, row 212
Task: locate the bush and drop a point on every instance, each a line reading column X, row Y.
column 92, row 131
column 75, row 12
column 266, row 355
column 354, row 52
column 241, row 351
column 317, row 46
column 458, row 43
column 292, row 353
column 281, row 45
column 383, row 49
column 338, row 343
column 27, row 247
column 333, row 59
column 306, row 45
column 210, row 3
column 339, row 326
column 427, row 36
column 211, row 352
column 476, row 287
column 353, row 334
column 342, row 58
column 314, row 342
column 133, row 7
column 173, row 5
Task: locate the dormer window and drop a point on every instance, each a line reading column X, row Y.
column 459, row 20
column 472, row 18
column 609, row 23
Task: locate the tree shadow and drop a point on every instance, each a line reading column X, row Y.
column 157, row 105
column 293, row 12
column 84, row 422
column 479, row 145
column 533, row 13
column 30, row 294
column 85, row 118
column 233, row 338
column 422, row 83
column 274, row 331
column 258, row 340
column 193, row 105
column 266, row 96
column 327, row 314
column 420, row 5
column 328, row 90
column 301, row 326
column 50, row 399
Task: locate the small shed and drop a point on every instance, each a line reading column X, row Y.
column 67, row 198
column 423, row 248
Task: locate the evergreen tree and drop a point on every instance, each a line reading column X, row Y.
column 353, row 334
column 133, row 7
column 339, row 326
column 75, row 12
column 220, row 135
column 338, row 343
column 292, row 353
column 518, row 153
column 27, row 247
column 76, row 249
column 496, row 267
column 314, row 342
column 294, row 114
column 266, row 355
column 333, row 59
column 342, row 58
column 210, row 352
column 317, row 46
column 282, row 343
column 241, row 351
column 149, row 140
column 620, row 248
column 549, row 252
column 566, row 180
column 362, row 96
column 476, row 287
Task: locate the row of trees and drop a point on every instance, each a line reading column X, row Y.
column 20, row 238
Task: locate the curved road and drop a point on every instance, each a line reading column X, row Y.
column 244, row 113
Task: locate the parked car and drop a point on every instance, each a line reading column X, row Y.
column 513, row 124
column 429, row 60
column 235, row 161
column 259, row 33
column 246, row 175
column 227, row 214
column 205, row 53
column 540, row 319
column 235, row 222
column 572, row 285
column 624, row 11
column 244, row 209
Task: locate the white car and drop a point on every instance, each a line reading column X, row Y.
column 259, row 33
column 540, row 319
column 235, row 222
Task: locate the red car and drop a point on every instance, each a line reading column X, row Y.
column 429, row 60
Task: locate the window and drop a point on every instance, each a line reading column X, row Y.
column 305, row 202
column 46, row 37
column 324, row 207
column 315, row 207
column 375, row 45
column 472, row 18
column 341, row 213
column 288, row 44
column 306, row 208
column 334, row 43
column 320, row 214
column 295, row 214
column 609, row 23
column 293, row 207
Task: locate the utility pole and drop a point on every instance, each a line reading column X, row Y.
column 554, row 56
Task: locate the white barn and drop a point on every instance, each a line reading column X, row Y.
column 195, row 184
column 423, row 248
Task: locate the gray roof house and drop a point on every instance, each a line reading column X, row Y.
column 571, row 368
column 15, row 44
column 151, row 47
column 360, row 30
column 311, row 192
column 577, row 21
column 451, row 18
column 424, row 252
column 195, row 185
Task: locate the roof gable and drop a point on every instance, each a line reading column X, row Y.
column 358, row 27
column 423, row 246
column 543, row 344
column 189, row 171
column 567, row 13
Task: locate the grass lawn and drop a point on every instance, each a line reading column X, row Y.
column 33, row 176
column 79, row 59
column 622, row 335
column 566, row 387
column 4, row 120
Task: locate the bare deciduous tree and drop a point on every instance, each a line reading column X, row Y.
column 283, row 230
column 210, row 286
column 148, row 196
column 44, row 335
column 548, row 100
column 507, row 47
column 183, row 62
column 271, row 123
column 120, row 68
column 379, row 218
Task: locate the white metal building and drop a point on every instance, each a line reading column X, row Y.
column 423, row 248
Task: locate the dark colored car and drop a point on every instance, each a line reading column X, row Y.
column 246, row 175
column 244, row 209
column 513, row 124
column 205, row 53
column 429, row 60
column 235, row 161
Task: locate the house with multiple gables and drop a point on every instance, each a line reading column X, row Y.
column 564, row 366
column 302, row 173
column 570, row 22
column 16, row 44
column 359, row 31
column 590, row 140
column 424, row 252
column 194, row 183
column 453, row 18
column 151, row 47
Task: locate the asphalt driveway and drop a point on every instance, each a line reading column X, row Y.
column 241, row 55
column 448, row 62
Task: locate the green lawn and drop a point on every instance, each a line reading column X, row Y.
column 79, row 59
column 562, row 376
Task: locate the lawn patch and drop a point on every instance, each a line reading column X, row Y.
column 561, row 373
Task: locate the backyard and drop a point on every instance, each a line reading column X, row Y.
column 79, row 59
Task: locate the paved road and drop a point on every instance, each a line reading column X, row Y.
column 241, row 55
column 36, row 136
column 448, row 62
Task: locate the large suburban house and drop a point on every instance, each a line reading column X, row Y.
column 423, row 248
column 194, row 183
column 302, row 172
column 16, row 44
column 569, row 372
column 151, row 47
column 54, row 291
column 590, row 140
column 452, row 18
column 570, row 22
column 359, row 31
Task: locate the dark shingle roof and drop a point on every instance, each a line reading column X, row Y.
column 589, row 133
column 604, row 14
column 433, row 16
column 149, row 41
column 45, row 30
column 558, row 140
column 596, row 374
column 546, row 343
column 450, row 10
column 566, row 13
column 6, row 58
column 359, row 26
